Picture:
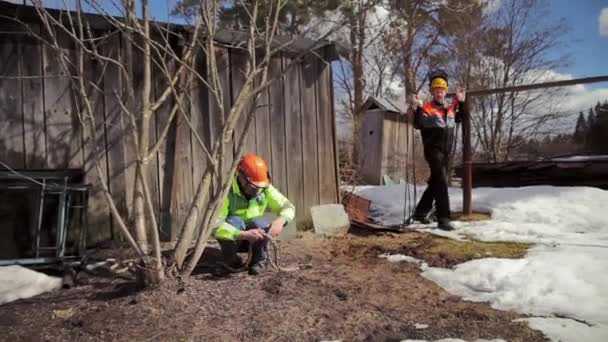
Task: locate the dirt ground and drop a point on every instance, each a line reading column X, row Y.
column 348, row 293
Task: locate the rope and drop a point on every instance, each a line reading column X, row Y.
column 407, row 174
column 409, row 206
column 273, row 261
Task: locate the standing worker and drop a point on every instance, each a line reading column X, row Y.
column 436, row 121
column 241, row 218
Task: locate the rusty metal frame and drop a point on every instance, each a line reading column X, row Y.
column 51, row 184
column 467, row 180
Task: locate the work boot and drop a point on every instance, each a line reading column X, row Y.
column 229, row 254
column 259, row 257
column 236, row 262
column 445, row 224
column 257, row 268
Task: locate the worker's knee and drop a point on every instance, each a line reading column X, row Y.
column 260, row 222
column 236, row 221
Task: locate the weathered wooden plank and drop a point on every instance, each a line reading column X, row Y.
column 278, row 168
column 199, row 109
column 164, row 157
column 116, row 131
column 215, row 112
column 94, row 146
column 33, row 101
column 388, row 147
column 329, row 53
column 135, row 65
column 371, row 147
column 308, row 78
column 11, row 115
column 63, row 131
column 181, row 196
column 238, row 62
column 328, row 188
column 263, row 129
column 153, row 167
column 182, row 193
column 293, row 134
column 166, row 168
column 404, row 146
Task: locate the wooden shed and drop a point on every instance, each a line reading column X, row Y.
column 386, row 140
column 294, row 132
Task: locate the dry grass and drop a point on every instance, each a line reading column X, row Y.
column 473, row 249
column 470, row 218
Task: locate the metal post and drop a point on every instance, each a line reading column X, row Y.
column 39, row 223
column 84, row 221
column 467, row 178
column 61, row 219
column 466, row 164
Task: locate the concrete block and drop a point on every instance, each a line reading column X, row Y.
column 330, row 219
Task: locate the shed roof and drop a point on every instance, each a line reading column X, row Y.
column 384, row 104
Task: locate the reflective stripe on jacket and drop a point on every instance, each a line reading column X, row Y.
column 436, row 123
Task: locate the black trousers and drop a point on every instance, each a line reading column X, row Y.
column 437, row 189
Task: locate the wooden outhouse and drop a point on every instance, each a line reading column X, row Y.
column 385, row 141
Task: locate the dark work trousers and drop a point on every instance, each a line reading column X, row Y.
column 259, row 249
column 437, row 189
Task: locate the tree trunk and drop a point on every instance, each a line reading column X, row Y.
column 185, row 239
column 357, row 39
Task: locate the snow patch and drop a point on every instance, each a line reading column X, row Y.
column 455, row 340
column 563, row 278
column 567, row 330
column 580, row 158
column 18, row 282
column 401, row 257
column 563, row 281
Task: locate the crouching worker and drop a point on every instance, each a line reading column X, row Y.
column 241, row 217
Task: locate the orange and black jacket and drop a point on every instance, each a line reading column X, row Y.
column 437, row 122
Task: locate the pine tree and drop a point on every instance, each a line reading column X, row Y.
column 580, row 132
column 598, row 129
column 590, row 119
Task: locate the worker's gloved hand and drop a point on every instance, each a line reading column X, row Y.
column 252, row 235
column 461, row 93
column 276, row 227
column 414, row 101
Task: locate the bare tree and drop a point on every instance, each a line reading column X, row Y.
column 174, row 53
column 512, row 49
column 368, row 70
column 414, row 36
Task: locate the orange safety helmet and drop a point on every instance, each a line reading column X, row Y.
column 255, row 170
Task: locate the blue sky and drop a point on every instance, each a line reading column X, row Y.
column 588, row 48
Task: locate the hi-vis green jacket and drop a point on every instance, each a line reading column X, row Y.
column 235, row 204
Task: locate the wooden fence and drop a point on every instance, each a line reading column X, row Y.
column 294, row 129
